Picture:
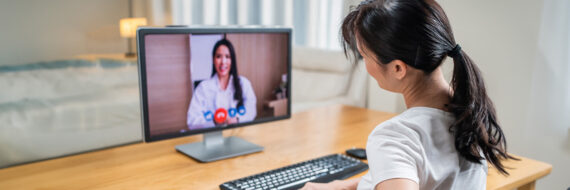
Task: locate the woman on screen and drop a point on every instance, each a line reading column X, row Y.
column 226, row 97
column 450, row 131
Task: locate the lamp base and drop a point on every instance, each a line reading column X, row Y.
column 130, row 54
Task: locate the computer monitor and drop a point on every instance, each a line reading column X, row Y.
column 205, row 80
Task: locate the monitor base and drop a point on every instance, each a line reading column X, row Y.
column 216, row 147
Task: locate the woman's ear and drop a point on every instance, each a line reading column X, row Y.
column 397, row 69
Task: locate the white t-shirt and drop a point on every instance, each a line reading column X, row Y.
column 417, row 145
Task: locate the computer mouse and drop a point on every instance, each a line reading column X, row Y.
column 359, row 153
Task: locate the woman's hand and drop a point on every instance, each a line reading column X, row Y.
column 350, row 184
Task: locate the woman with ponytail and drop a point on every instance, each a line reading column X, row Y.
column 450, row 131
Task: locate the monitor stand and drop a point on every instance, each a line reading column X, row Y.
column 216, row 147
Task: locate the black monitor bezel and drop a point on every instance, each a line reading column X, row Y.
column 143, row 31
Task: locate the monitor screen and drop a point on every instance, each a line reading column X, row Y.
column 201, row 80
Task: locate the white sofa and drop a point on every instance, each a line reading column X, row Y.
column 326, row 77
column 50, row 109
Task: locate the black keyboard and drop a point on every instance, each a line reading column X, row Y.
column 322, row 170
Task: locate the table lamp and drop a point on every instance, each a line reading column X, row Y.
column 129, row 30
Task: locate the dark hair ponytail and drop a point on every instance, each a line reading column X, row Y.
column 238, row 94
column 476, row 128
column 418, row 33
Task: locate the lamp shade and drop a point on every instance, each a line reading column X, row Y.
column 129, row 26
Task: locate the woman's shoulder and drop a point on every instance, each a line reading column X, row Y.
column 206, row 84
column 418, row 119
column 400, row 128
column 395, row 127
column 395, row 137
column 211, row 79
column 414, row 125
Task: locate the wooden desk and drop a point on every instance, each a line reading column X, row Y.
column 158, row 166
column 523, row 174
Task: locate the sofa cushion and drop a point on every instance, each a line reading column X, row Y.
column 320, row 60
column 319, row 74
column 311, row 85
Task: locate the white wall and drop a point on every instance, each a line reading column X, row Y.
column 502, row 38
column 201, row 62
column 38, row 30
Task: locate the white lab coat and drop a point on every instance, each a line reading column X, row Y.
column 208, row 96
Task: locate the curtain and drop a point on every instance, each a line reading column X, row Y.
column 547, row 133
column 550, row 88
column 315, row 23
column 546, row 136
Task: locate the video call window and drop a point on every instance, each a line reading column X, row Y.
column 200, row 81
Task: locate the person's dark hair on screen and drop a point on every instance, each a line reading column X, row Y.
column 222, row 55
